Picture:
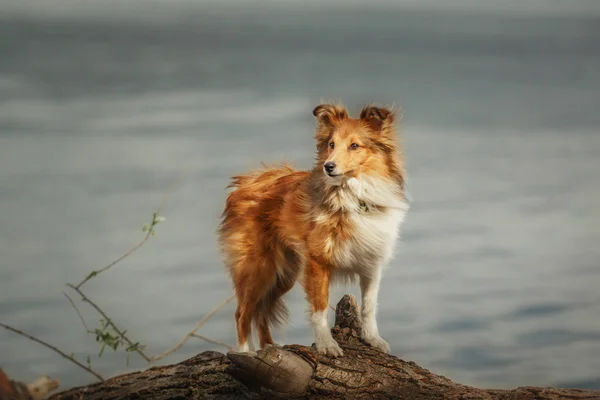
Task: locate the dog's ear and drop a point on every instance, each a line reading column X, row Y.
column 329, row 114
column 378, row 118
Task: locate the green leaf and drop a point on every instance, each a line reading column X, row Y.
column 133, row 347
column 91, row 275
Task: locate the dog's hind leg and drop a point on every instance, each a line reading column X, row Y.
column 252, row 283
column 243, row 320
column 251, row 346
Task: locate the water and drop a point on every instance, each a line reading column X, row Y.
column 495, row 281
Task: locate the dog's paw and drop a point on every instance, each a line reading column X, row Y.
column 329, row 347
column 246, row 348
column 250, row 353
column 276, row 345
column 378, row 343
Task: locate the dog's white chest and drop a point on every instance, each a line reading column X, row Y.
column 373, row 240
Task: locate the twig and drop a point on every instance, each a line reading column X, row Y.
column 193, row 331
column 141, row 243
column 78, row 313
column 170, row 190
column 56, row 350
column 109, row 321
column 330, row 306
column 118, row 260
column 209, row 340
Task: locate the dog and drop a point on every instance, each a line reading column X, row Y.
column 338, row 221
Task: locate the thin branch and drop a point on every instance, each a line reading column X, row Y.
column 78, row 313
column 213, row 341
column 170, row 190
column 141, row 243
column 109, row 321
column 118, row 260
column 193, row 331
column 56, row 350
column 330, row 306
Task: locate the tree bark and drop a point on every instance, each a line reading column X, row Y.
column 299, row 372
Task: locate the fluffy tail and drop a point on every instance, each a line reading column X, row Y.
column 271, row 310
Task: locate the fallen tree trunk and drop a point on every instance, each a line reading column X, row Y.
column 299, row 372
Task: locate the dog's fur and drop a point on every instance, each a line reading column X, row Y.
column 281, row 225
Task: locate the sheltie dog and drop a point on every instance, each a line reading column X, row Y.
column 338, row 221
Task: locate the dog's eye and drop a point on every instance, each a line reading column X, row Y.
column 331, row 145
column 353, row 146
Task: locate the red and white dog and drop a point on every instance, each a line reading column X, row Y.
column 339, row 220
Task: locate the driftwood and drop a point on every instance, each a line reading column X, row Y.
column 299, row 372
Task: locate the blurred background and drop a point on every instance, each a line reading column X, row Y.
column 104, row 104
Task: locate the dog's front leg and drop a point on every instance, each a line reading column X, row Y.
column 369, row 287
column 316, row 285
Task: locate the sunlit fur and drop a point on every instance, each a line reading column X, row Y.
column 281, row 225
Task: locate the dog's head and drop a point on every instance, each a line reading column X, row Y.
column 350, row 147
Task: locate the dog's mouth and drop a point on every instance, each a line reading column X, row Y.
column 347, row 174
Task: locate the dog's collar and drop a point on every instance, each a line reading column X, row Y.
column 363, row 206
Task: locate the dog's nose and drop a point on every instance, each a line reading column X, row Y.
column 329, row 166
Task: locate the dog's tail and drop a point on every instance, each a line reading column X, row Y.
column 271, row 310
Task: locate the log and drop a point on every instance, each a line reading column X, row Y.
column 296, row 371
